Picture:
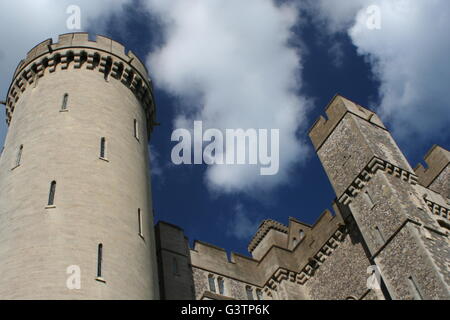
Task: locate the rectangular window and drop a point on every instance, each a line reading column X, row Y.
column 259, row 294
column 136, row 129
column 249, row 291
column 379, row 235
column 212, row 284
column 103, row 148
column 368, row 199
column 19, row 156
column 140, row 223
column 99, row 260
column 221, row 286
column 175, row 266
column 51, row 195
column 64, row 102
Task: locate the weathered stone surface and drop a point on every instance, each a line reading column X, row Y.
column 405, row 257
column 441, row 184
column 232, row 288
column 343, row 274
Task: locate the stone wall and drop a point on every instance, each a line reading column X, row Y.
column 174, row 263
column 344, row 273
column 232, row 288
column 407, row 269
column 371, row 176
column 441, row 183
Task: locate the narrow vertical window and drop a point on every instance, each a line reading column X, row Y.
column 64, row 102
column 259, row 294
column 99, row 260
column 175, row 266
column 19, row 156
column 368, row 199
column 212, row 284
column 136, row 129
column 103, row 148
column 249, row 291
column 221, row 284
column 140, row 223
column 51, row 195
column 380, row 236
column 301, row 234
column 415, row 288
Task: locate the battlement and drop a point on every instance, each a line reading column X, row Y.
column 278, row 266
column 437, row 159
column 215, row 259
column 75, row 50
column 81, row 40
column 263, row 271
column 263, row 230
column 338, row 107
column 220, row 255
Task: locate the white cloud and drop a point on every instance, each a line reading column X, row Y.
column 231, row 65
column 25, row 23
column 240, row 226
column 335, row 15
column 409, row 55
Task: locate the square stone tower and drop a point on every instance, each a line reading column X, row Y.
column 373, row 179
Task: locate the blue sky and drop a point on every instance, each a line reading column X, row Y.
column 297, row 54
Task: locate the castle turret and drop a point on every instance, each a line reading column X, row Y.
column 76, row 216
column 373, row 179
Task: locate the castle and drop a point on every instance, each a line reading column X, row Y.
column 75, row 191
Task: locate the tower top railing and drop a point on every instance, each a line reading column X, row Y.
column 81, row 40
column 437, row 159
column 338, row 107
column 75, row 50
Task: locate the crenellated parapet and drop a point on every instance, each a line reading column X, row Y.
column 284, row 272
column 211, row 257
column 75, row 50
column 280, row 266
column 263, row 230
column 437, row 174
column 437, row 159
column 335, row 111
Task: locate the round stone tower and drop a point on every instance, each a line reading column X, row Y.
column 76, row 218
